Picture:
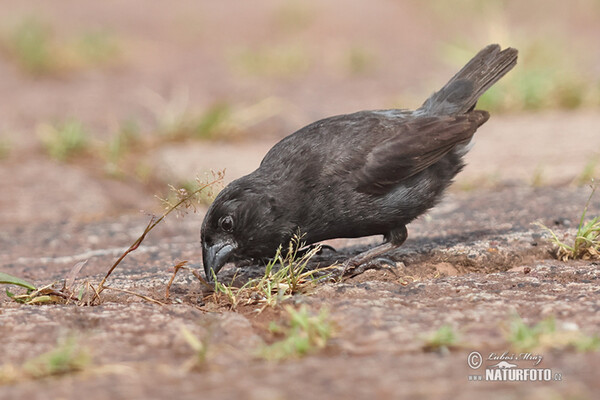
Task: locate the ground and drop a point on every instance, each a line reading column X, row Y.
column 476, row 263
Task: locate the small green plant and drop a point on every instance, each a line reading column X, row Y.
column 524, row 337
column 213, row 122
column 545, row 335
column 47, row 294
column 278, row 284
column 67, row 357
column 29, row 43
column 32, row 296
column 176, row 120
column 303, row 333
column 5, row 148
column 231, row 293
column 6, row 279
column 549, row 76
column 441, row 340
column 586, row 245
column 64, row 140
column 32, row 44
column 119, row 145
column 198, row 361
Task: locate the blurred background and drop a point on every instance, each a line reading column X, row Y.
column 105, row 103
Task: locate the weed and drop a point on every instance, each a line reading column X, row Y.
column 47, row 294
column 231, row 293
column 548, row 76
column 184, row 202
column 6, row 279
column 204, row 197
column 176, row 120
column 545, row 335
column 277, row 285
column 5, row 148
column 64, row 140
column 67, row 357
column 304, row 333
column 442, row 339
column 213, row 122
column 119, row 145
column 29, row 43
column 200, row 348
column 587, row 239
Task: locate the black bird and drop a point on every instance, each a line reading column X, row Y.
column 347, row 176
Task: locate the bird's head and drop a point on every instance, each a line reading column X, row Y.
column 244, row 222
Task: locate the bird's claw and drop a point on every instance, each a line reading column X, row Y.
column 351, row 269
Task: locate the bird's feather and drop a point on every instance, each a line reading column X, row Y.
column 419, row 143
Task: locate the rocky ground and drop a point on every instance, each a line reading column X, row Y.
column 471, row 267
column 473, row 264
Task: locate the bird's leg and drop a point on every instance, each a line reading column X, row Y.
column 359, row 263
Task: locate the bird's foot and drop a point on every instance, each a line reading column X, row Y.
column 372, row 258
column 351, row 270
column 367, row 260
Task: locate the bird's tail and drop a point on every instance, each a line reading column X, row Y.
column 461, row 93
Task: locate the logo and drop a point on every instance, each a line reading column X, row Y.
column 512, row 367
column 503, row 365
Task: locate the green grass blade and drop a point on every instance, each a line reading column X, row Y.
column 7, row 279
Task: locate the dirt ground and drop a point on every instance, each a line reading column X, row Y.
column 472, row 263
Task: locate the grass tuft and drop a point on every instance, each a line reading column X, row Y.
column 441, row 340
column 586, row 245
column 32, row 44
column 548, row 76
column 67, row 357
column 5, row 148
column 200, row 348
column 276, row 284
column 64, row 140
column 29, row 44
column 545, row 335
column 303, row 333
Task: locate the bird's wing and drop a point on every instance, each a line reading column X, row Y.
column 419, row 143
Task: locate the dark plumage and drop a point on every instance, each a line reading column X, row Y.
column 367, row 173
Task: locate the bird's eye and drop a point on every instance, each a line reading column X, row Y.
column 226, row 223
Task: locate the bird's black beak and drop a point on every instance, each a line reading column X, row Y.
column 215, row 256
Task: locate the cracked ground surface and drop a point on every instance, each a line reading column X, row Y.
column 472, row 263
column 456, row 269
